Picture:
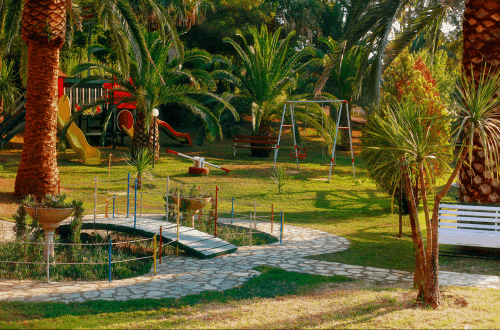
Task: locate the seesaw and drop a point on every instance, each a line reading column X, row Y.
column 198, row 164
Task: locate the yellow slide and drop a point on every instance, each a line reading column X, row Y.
column 89, row 155
column 129, row 132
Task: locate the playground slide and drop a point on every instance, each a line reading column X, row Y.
column 129, row 132
column 89, row 155
column 183, row 138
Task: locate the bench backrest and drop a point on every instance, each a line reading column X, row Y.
column 255, row 139
column 479, row 218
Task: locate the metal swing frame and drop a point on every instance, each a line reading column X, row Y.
column 291, row 106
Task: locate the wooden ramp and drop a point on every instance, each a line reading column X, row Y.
column 192, row 241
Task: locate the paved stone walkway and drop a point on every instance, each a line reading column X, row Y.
column 181, row 276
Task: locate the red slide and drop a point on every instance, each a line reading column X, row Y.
column 184, row 138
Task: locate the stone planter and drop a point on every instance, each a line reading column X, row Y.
column 194, row 206
column 49, row 219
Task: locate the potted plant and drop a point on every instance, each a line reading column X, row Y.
column 50, row 212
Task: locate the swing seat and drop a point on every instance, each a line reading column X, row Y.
column 300, row 154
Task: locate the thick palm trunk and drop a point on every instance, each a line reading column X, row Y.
column 264, row 130
column 44, row 28
column 141, row 134
column 481, row 45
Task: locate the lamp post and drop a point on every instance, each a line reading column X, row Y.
column 155, row 114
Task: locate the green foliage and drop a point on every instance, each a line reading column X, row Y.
column 158, row 80
column 279, row 177
column 444, row 73
column 476, row 121
column 408, row 84
column 140, row 159
column 9, row 90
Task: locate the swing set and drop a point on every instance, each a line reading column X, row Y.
column 300, row 151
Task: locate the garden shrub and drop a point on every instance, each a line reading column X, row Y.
column 408, row 80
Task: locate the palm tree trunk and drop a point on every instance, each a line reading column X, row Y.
column 481, row 40
column 44, row 28
column 141, row 136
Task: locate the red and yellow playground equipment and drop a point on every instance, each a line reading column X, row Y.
column 198, row 164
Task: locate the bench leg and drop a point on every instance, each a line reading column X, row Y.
column 234, row 154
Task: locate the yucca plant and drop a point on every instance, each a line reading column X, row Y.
column 279, row 177
column 406, row 146
column 141, row 159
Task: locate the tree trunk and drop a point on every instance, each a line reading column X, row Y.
column 432, row 295
column 419, row 277
column 141, row 134
column 44, row 28
column 481, row 45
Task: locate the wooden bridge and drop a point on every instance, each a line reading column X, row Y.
column 192, row 241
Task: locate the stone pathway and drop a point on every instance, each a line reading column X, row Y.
column 181, row 276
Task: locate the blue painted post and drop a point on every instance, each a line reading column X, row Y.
column 114, row 198
column 232, row 209
column 135, row 203
column 128, row 192
column 281, row 228
column 110, row 251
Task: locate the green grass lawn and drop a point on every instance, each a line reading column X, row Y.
column 361, row 213
column 276, row 299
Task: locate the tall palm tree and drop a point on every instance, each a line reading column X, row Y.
column 265, row 76
column 156, row 81
column 43, row 30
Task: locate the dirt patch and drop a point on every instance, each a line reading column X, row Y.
column 8, row 203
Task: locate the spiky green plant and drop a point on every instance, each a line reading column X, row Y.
column 140, row 159
column 279, row 177
column 265, row 76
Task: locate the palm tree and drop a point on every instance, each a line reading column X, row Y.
column 265, row 78
column 43, row 30
column 156, row 81
column 404, row 143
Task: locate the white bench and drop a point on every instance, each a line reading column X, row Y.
column 469, row 225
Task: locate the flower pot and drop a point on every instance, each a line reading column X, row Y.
column 49, row 218
column 194, row 206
